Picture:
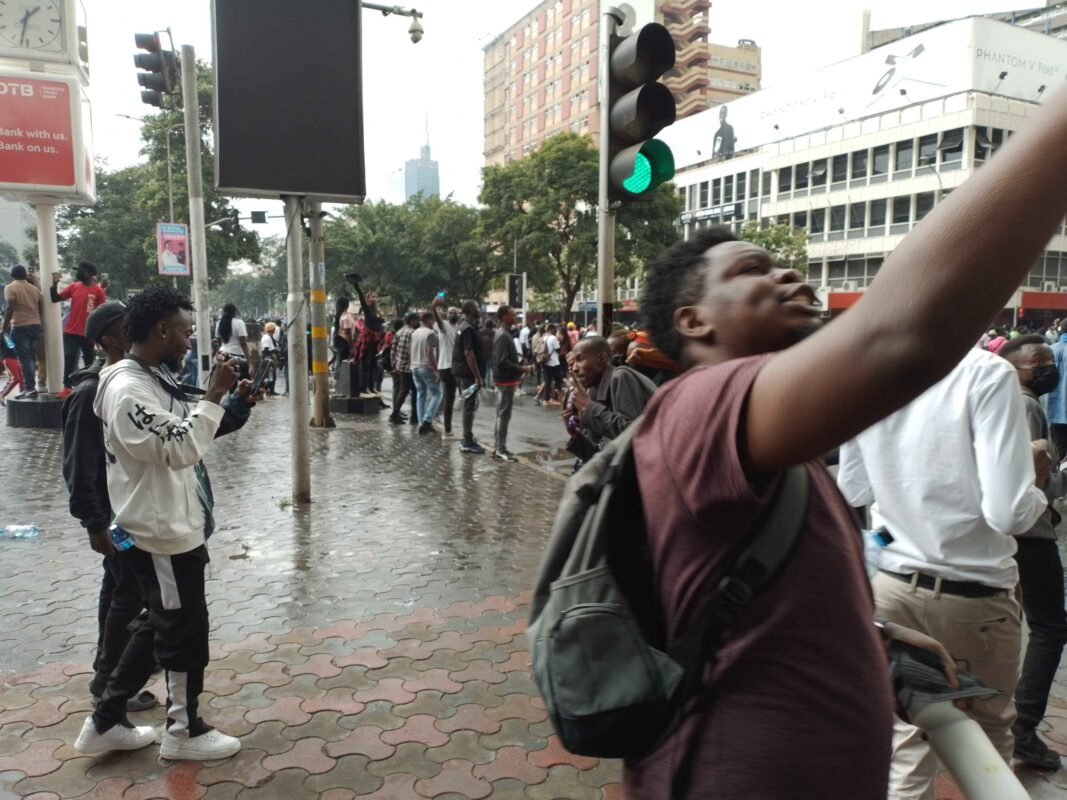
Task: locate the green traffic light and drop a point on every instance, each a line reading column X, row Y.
column 642, row 175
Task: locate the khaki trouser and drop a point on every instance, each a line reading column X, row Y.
column 983, row 634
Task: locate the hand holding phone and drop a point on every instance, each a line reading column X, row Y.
column 260, row 376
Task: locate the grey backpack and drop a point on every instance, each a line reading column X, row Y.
column 611, row 686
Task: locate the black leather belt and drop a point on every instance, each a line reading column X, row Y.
column 957, row 588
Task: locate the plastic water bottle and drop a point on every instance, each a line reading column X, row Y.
column 9, row 341
column 19, row 532
column 120, row 539
column 470, row 390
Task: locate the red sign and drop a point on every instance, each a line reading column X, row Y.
column 36, row 133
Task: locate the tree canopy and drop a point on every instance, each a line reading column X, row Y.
column 788, row 244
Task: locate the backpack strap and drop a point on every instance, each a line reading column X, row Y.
column 762, row 557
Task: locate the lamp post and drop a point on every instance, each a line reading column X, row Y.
column 170, row 172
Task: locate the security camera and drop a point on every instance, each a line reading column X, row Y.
column 415, row 31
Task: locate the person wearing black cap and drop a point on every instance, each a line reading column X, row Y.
column 85, row 473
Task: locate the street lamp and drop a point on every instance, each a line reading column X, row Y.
column 170, row 176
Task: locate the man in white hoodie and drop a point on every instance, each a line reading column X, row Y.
column 155, row 436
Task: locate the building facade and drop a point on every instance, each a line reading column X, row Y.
column 541, row 73
column 1049, row 19
column 421, row 175
column 859, row 178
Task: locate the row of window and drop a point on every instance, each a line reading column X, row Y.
column 737, row 86
column 734, row 64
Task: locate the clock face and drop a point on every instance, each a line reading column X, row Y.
column 33, row 25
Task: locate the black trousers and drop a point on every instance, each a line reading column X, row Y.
column 177, row 633
column 448, row 381
column 73, row 346
column 404, row 387
column 470, row 406
column 1041, row 585
column 120, row 606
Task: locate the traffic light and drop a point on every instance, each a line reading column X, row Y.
column 640, row 107
column 259, row 217
column 160, row 67
column 515, row 293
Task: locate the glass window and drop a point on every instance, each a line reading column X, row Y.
column 905, row 156
column 753, row 181
column 923, row 204
column 878, row 208
column 901, row 209
column 840, row 170
column 837, row 270
column 728, row 189
column 783, row 219
column 765, row 184
column 951, row 148
column 818, row 173
column 857, row 216
column 837, row 218
column 880, row 164
column 800, row 219
column 856, row 269
column 802, row 176
column 740, row 187
column 716, row 191
column 818, row 221
column 704, row 194
column 859, row 164
column 691, row 200
column 785, row 180
column 928, row 149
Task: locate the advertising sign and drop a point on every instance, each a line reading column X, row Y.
column 172, row 248
column 43, row 157
column 974, row 54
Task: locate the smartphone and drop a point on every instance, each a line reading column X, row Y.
column 440, row 295
column 261, row 374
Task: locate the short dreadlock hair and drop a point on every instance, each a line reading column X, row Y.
column 155, row 303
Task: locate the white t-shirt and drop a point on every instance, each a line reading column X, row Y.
column 267, row 343
column 552, row 347
column 237, row 330
column 524, row 337
column 422, row 340
column 446, row 343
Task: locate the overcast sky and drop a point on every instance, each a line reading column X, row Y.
column 442, row 75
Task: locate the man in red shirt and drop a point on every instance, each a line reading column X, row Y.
column 84, row 295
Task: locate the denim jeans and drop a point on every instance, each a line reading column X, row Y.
column 1041, row 586
column 26, row 339
column 429, row 393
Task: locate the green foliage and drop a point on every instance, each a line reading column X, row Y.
column 118, row 232
column 789, row 245
column 9, row 257
column 261, row 292
column 545, row 206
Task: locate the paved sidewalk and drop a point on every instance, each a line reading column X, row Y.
column 370, row 646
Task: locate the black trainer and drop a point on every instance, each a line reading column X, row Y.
column 472, row 447
column 1032, row 751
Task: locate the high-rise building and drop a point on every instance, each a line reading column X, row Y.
column 541, row 73
column 1049, row 19
column 420, row 175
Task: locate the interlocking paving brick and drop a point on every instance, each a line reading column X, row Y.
column 431, row 703
column 342, row 701
column 69, row 779
column 11, row 740
column 455, row 776
column 379, row 713
column 288, row 784
column 323, row 725
column 251, row 695
column 468, row 717
column 271, row 673
column 463, row 745
column 350, row 773
column 368, row 657
column 178, row 783
column 287, row 710
column 397, row 786
column 364, row 740
column 37, row 759
column 418, row 728
column 408, row 758
column 433, row 679
column 609, row 770
column 41, row 713
column 514, row 733
column 336, row 794
column 511, row 762
column 478, row 671
column 555, row 754
column 319, row 665
column 518, row 706
column 308, row 754
column 389, row 689
column 245, row 768
column 476, row 692
column 563, row 781
column 223, row 791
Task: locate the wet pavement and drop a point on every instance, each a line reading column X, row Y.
column 367, row 646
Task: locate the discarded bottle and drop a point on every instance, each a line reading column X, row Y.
column 470, row 390
column 19, row 532
column 9, row 341
column 120, row 538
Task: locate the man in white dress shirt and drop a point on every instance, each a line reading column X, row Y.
column 952, row 477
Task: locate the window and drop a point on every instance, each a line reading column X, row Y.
column 785, row 180
column 880, row 164
column 728, row 189
column 740, row 186
column 859, row 165
column 690, row 202
column 753, row 181
column 800, row 219
column 840, row 170
column 818, row 222
column 837, row 218
column 901, row 214
column 818, row 173
column 928, row 149
column 878, row 208
column 783, row 219
column 857, row 216
column 836, row 272
column 716, row 191
column 802, row 176
column 951, row 148
column 905, row 157
column 704, row 194
column 765, row 184
column 923, row 204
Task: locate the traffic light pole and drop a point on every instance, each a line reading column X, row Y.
column 320, row 417
column 605, row 254
column 197, row 232
column 296, row 322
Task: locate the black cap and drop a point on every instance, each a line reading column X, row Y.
column 411, row 316
column 100, row 320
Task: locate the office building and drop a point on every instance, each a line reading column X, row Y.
column 420, row 175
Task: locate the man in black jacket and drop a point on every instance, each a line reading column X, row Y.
column 605, row 398
column 85, row 473
column 508, row 374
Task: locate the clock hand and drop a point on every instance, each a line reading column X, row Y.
column 25, row 22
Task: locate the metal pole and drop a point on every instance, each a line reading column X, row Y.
column 605, row 255
column 170, row 189
column 48, row 255
column 296, row 322
column 197, row 230
column 320, row 417
column 525, row 317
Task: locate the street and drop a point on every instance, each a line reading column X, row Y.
column 368, row 646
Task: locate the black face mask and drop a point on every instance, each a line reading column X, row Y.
column 1045, row 379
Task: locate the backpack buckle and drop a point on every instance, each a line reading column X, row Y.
column 732, row 595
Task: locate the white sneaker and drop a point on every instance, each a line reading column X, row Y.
column 205, row 747
column 118, row 737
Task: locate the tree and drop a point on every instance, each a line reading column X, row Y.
column 9, row 257
column 545, row 207
column 789, row 245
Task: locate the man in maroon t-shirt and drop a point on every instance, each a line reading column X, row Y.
column 798, row 700
column 84, row 295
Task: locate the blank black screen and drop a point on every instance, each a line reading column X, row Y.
column 288, row 98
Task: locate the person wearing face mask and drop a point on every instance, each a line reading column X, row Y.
column 1038, row 557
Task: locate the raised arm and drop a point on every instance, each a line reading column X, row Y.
column 965, row 258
